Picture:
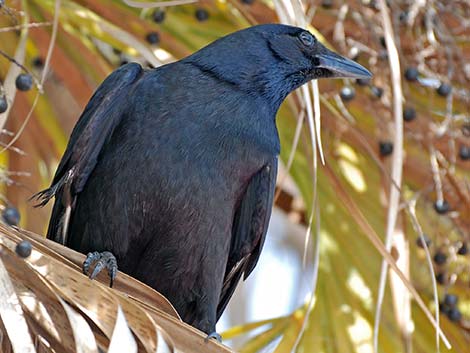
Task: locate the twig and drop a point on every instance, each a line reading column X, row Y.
column 14, row 149
column 450, row 175
column 397, row 164
column 150, row 5
column 13, row 72
column 290, row 160
column 6, row 132
column 415, row 8
column 316, row 267
column 29, row 25
column 55, row 26
column 361, row 46
column 436, row 175
column 25, row 69
column 317, row 118
column 428, row 20
column 10, row 12
column 338, row 33
column 345, row 112
column 414, row 220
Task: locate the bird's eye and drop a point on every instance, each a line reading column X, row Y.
column 307, row 39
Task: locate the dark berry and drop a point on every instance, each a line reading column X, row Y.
column 152, row 37
column 38, row 63
column 377, row 91
column 383, row 42
column 440, row 258
column 451, row 300
column 383, row 55
column 11, row 216
column 3, row 104
column 464, row 153
column 444, row 89
column 373, row 4
column 24, row 249
column 403, row 17
column 441, row 207
column 427, row 241
column 411, row 73
column 347, row 93
column 444, row 309
column 248, row 2
column 441, row 278
column 24, row 82
column 385, row 148
column 466, row 129
column 454, row 315
column 201, row 15
column 463, row 250
column 158, row 16
column 409, row 114
column 363, row 81
column 327, row 4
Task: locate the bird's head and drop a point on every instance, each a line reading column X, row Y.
column 272, row 60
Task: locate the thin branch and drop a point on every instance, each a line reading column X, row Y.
column 316, row 266
column 13, row 72
column 150, row 5
column 28, row 25
column 290, row 160
column 317, row 118
column 436, row 175
column 414, row 220
column 55, row 26
column 21, row 66
column 397, row 164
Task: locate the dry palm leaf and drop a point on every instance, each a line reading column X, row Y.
column 45, row 296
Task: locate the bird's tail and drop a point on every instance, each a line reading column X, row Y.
column 44, row 196
column 61, row 211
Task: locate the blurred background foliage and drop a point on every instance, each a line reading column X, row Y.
column 358, row 130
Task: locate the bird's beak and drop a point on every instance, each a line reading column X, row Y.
column 341, row 67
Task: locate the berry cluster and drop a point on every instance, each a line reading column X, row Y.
column 443, row 256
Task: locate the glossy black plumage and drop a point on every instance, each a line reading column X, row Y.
column 173, row 169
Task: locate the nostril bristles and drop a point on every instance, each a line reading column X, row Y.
column 315, row 61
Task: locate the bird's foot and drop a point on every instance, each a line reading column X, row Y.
column 214, row 336
column 101, row 260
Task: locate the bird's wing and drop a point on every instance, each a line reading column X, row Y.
column 249, row 230
column 95, row 126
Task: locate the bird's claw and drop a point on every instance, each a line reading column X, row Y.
column 101, row 260
column 214, row 336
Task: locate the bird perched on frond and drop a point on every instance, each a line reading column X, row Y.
column 170, row 172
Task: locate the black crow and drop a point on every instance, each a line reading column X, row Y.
column 172, row 170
